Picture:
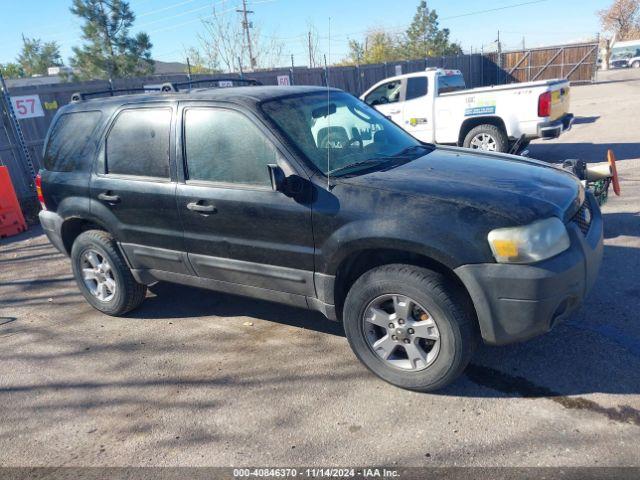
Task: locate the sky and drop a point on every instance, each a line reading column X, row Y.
column 173, row 25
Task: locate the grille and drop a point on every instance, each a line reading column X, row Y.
column 583, row 217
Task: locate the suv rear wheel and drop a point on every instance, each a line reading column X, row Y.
column 487, row 137
column 102, row 274
column 409, row 326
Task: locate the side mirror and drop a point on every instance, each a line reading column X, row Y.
column 278, row 179
column 289, row 186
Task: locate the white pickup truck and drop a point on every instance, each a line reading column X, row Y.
column 435, row 106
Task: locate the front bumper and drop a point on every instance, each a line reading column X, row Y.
column 52, row 225
column 517, row 302
column 556, row 128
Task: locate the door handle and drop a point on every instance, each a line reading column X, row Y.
column 105, row 197
column 200, row 208
column 395, row 112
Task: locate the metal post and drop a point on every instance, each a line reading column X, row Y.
column 291, row 71
column 189, row 72
column 482, row 65
column 325, row 73
column 15, row 128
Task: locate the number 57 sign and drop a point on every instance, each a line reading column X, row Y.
column 27, row 106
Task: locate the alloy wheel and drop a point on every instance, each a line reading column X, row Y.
column 484, row 141
column 98, row 276
column 401, row 332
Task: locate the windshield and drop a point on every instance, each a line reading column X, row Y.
column 339, row 133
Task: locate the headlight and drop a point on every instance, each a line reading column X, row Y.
column 531, row 243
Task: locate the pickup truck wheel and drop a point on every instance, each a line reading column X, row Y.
column 102, row 274
column 636, row 64
column 409, row 326
column 487, row 137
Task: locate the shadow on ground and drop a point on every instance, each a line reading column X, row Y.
column 587, row 151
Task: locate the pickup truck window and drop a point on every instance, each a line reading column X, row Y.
column 450, row 83
column 225, row 146
column 337, row 131
column 69, row 147
column 416, row 87
column 386, row 93
column 138, row 143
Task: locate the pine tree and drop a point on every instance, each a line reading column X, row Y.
column 36, row 57
column 11, row 70
column 109, row 51
column 424, row 38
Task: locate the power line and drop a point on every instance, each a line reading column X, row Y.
column 164, row 9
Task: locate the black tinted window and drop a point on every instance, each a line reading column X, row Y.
column 138, row 143
column 225, row 146
column 450, row 83
column 416, row 87
column 70, row 144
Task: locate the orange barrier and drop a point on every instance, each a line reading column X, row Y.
column 11, row 218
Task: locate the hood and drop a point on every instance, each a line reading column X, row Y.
column 516, row 188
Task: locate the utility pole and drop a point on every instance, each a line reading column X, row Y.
column 311, row 65
column 499, row 62
column 246, row 26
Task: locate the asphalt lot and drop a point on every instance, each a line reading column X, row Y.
column 196, row 378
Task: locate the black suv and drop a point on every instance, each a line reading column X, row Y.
column 309, row 197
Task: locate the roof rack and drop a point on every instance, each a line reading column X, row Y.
column 241, row 81
column 166, row 87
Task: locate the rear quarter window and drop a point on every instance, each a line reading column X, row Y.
column 71, row 144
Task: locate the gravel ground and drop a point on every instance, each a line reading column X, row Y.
column 196, row 378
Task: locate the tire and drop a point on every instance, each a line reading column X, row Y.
column 447, row 308
column 94, row 247
column 635, row 64
column 497, row 140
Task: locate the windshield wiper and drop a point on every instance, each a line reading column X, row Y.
column 401, row 156
column 363, row 163
column 412, row 149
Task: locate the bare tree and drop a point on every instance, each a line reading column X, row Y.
column 224, row 42
column 312, row 43
column 267, row 49
column 223, row 39
column 201, row 62
column 622, row 19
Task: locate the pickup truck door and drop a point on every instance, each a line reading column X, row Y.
column 417, row 108
column 237, row 230
column 387, row 99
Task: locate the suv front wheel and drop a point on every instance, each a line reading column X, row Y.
column 102, row 274
column 410, row 326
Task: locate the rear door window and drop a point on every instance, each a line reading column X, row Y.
column 71, row 145
column 138, row 143
column 416, row 87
